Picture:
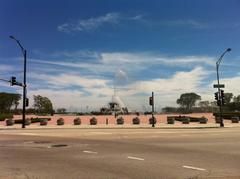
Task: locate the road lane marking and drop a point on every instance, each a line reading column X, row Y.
column 194, row 168
column 89, row 152
column 32, row 134
column 135, row 158
column 100, row 132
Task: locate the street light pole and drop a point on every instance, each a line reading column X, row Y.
column 217, row 68
column 24, row 51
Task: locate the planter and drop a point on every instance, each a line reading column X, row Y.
column 235, row 119
column 120, row 121
column 60, row 121
column 9, row 122
column 170, row 120
column 93, row 121
column 136, row 121
column 203, row 120
column 43, row 122
column 77, row 121
column 152, row 120
column 185, row 120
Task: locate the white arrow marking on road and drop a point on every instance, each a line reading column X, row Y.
column 194, row 168
column 135, row 158
column 89, row 152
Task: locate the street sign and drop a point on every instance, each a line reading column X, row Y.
column 219, row 86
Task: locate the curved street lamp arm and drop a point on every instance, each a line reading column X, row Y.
column 220, row 59
column 18, row 42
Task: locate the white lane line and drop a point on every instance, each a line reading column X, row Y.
column 25, row 134
column 194, row 168
column 135, row 158
column 89, row 152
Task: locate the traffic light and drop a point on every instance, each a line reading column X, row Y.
column 222, row 97
column 27, row 102
column 151, row 101
column 13, row 81
column 216, row 96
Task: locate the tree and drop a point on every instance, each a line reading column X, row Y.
column 61, row 110
column 228, row 97
column 204, row 104
column 236, row 99
column 188, row 100
column 42, row 104
column 8, row 100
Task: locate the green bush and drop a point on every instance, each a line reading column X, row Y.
column 120, row 121
column 20, row 121
column 228, row 115
column 34, row 120
column 9, row 122
column 60, row 121
column 4, row 116
column 136, row 120
column 235, row 119
column 217, row 119
column 203, row 120
column 93, row 121
column 170, row 119
column 185, row 120
column 77, row 121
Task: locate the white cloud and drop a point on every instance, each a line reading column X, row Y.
column 186, row 22
column 134, row 62
column 95, row 22
column 167, row 90
column 68, row 80
column 5, row 68
column 96, row 90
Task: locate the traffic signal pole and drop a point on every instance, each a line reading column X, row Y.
column 24, row 85
column 24, row 88
column 219, row 96
column 153, row 121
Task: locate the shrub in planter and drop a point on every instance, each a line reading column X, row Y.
column 170, row 119
column 43, row 122
column 203, row 120
column 27, row 122
column 152, row 120
column 77, row 121
column 217, row 119
column 35, row 120
column 136, row 120
column 120, row 121
column 60, row 121
column 235, row 119
column 93, row 121
column 185, row 120
column 19, row 121
column 9, row 122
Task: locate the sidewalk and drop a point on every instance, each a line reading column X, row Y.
column 125, row 126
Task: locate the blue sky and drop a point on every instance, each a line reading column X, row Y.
column 79, row 50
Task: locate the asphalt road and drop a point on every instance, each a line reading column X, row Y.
column 120, row 153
